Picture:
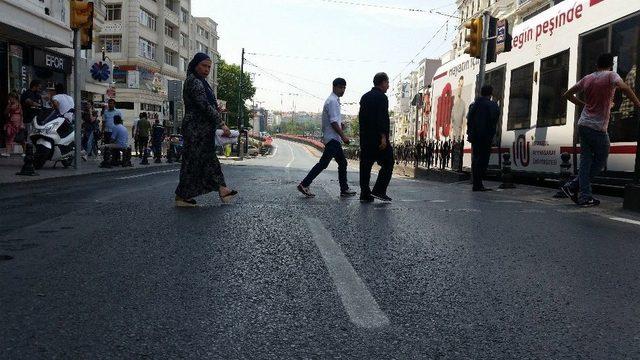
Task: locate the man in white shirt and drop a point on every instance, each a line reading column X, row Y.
column 333, row 137
column 63, row 103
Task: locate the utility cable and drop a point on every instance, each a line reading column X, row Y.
column 428, row 11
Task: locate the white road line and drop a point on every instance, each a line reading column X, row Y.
column 147, row 174
column 292, row 156
column 628, row 221
column 362, row 308
column 275, row 151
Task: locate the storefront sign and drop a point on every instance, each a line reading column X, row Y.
column 51, row 61
column 133, row 79
column 501, row 36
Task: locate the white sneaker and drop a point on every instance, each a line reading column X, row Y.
column 5, row 155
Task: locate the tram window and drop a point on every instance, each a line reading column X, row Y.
column 554, row 78
column 520, row 98
column 625, row 44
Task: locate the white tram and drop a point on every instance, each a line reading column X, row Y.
column 551, row 52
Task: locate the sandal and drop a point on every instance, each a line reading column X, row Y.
column 227, row 198
column 180, row 202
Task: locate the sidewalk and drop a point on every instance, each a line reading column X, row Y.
column 10, row 166
column 610, row 207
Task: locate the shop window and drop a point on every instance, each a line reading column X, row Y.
column 554, row 79
column 520, row 95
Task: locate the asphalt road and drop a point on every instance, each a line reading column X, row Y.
column 104, row 267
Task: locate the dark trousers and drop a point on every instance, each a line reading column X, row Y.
column 106, row 137
column 384, row 158
column 332, row 150
column 594, row 151
column 142, row 144
column 480, row 154
column 157, row 149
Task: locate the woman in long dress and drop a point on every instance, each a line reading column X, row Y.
column 201, row 172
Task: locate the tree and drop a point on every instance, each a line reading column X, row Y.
column 228, row 75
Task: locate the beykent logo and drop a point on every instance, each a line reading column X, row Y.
column 521, row 151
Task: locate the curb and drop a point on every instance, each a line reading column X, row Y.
column 72, row 175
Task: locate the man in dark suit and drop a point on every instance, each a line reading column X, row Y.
column 374, row 140
column 482, row 120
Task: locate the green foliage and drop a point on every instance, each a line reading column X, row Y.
column 228, row 75
column 354, row 128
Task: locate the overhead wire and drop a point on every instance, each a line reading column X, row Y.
column 333, row 59
column 282, row 81
column 433, row 11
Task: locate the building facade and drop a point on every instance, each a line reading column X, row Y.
column 411, row 105
column 150, row 42
column 33, row 37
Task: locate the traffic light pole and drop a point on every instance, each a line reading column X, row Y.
column 77, row 116
column 486, row 16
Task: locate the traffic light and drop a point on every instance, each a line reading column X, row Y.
column 474, row 38
column 82, row 20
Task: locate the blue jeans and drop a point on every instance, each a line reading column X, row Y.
column 594, row 151
column 332, row 150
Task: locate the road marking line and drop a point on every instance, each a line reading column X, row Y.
column 147, row 174
column 628, row 221
column 275, row 151
column 292, row 156
column 362, row 308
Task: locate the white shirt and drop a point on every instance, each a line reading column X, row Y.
column 65, row 103
column 331, row 114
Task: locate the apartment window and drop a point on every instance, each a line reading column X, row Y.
column 202, row 32
column 185, row 15
column 147, row 19
column 168, row 30
column 170, row 57
column 554, row 79
column 538, row 11
column 184, row 40
column 111, row 43
column 202, row 48
column 184, row 63
column 147, row 49
column 520, row 98
column 114, row 12
column 171, row 5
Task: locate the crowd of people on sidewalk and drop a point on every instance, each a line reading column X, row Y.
column 102, row 125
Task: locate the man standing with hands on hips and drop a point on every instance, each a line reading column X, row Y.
column 333, row 136
column 374, row 140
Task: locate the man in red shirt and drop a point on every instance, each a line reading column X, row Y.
column 598, row 89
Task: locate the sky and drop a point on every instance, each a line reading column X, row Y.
column 295, row 48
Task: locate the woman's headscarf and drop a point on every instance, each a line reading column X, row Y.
column 197, row 59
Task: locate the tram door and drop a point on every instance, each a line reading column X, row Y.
column 496, row 78
column 622, row 39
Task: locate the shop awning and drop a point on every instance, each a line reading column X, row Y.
column 24, row 23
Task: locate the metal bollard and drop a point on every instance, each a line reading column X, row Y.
column 565, row 173
column 145, row 156
column 507, row 176
column 126, row 158
column 27, row 168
